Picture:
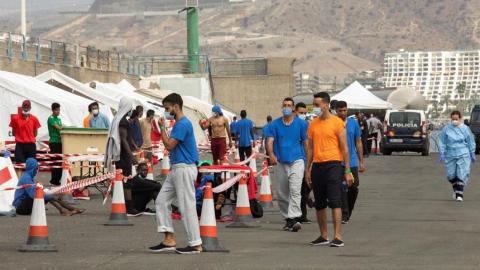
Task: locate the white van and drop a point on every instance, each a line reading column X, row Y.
column 405, row 130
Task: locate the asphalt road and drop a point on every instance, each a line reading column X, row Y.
column 405, row 219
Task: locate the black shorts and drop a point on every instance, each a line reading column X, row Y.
column 23, row 151
column 327, row 180
column 25, row 207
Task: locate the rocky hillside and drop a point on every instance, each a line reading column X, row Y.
column 328, row 37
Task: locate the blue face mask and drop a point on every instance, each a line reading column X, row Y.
column 317, row 111
column 168, row 115
column 287, row 111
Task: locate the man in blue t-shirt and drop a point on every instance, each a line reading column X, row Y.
column 287, row 145
column 266, row 131
column 245, row 134
column 180, row 181
column 233, row 130
column 355, row 148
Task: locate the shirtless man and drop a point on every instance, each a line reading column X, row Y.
column 219, row 129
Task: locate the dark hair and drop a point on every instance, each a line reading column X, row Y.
column 134, row 114
column 323, row 95
column 456, row 113
column 55, row 106
column 300, row 105
column 139, row 108
column 340, row 104
column 243, row 114
column 289, row 99
column 150, row 113
column 90, row 107
column 269, row 118
column 173, row 99
column 142, row 164
column 234, row 118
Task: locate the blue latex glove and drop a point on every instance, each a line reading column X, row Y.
column 473, row 158
column 7, row 154
column 442, row 158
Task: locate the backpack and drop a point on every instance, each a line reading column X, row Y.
column 256, row 208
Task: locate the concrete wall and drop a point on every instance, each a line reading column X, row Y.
column 259, row 95
column 32, row 68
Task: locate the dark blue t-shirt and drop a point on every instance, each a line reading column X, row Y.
column 233, row 129
column 353, row 133
column 243, row 129
column 186, row 150
column 288, row 140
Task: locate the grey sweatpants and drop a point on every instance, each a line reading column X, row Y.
column 179, row 185
column 289, row 178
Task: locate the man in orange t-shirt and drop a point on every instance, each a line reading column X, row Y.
column 327, row 148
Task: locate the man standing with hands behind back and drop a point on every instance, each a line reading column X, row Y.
column 327, row 148
column 25, row 129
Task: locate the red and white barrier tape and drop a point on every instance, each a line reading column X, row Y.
column 81, row 183
column 18, row 187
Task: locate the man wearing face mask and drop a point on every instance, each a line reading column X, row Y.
column 25, row 129
column 327, row 148
column 457, row 151
column 301, row 113
column 286, row 144
column 180, row 182
column 144, row 190
column 98, row 119
column 219, row 129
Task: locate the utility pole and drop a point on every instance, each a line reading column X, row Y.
column 191, row 8
column 24, row 18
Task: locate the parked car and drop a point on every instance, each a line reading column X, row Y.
column 405, row 130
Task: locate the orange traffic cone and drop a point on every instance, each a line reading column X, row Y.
column 253, row 165
column 38, row 234
column 165, row 163
column 208, row 224
column 150, row 171
column 67, row 179
column 118, row 216
column 265, row 190
column 243, row 214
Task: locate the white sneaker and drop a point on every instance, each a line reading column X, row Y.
column 459, row 199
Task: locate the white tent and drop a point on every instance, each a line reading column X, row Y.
column 358, row 97
column 125, row 85
column 199, row 105
column 64, row 82
column 14, row 88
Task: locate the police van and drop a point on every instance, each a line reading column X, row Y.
column 405, row 130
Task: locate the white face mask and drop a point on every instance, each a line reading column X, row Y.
column 95, row 112
column 302, row 116
column 317, row 111
column 456, row 123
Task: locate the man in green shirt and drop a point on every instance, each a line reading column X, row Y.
column 54, row 124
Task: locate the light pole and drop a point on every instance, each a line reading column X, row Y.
column 24, row 18
column 191, row 8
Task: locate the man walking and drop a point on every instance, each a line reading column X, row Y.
column 286, row 144
column 54, row 124
column 180, row 181
column 327, row 148
column 355, row 148
column 219, row 130
column 245, row 133
column 25, row 129
column 374, row 127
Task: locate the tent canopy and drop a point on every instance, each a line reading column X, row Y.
column 358, row 97
column 14, row 88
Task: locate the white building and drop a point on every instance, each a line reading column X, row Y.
column 306, row 83
column 435, row 75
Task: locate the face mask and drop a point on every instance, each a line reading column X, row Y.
column 130, row 113
column 455, row 123
column 169, row 115
column 302, row 116
column 26, row 112
column 215, row 114
column 317, row 111
column 287, row 111
column 95, row 112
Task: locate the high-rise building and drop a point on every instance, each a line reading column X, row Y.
column 437, row 75
column 306, row 83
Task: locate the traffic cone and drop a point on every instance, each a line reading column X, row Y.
column 253, row 165
column 243, row 214
column 165, row 163
column 118, row 216
column 208, row 224
column 67, row 179
column 38, row 233
column 265, row 190
column 150, row 171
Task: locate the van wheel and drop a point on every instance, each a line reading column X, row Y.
column 386, row 152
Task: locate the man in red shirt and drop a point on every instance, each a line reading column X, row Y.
column 25, row 128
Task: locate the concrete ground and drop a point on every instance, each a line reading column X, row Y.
column 405, row 218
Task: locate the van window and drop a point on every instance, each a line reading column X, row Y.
column 475, row 118
column 405, row 119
